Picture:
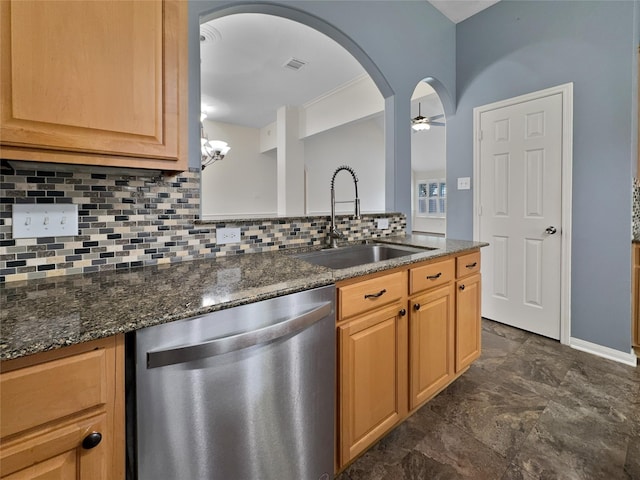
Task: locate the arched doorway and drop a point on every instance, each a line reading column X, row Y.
column 321, row 120
column 428, row 162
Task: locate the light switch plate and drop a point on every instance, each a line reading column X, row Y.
column 36, row 220
column 464, row 183
column 382, row 223
column 227, row 235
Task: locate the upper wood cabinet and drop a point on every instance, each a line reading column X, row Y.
column 97, row 83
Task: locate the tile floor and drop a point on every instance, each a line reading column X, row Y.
column 528, row 409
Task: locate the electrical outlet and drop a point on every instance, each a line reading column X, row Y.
column 382, row 223
column 227, row 235
column 44, row 220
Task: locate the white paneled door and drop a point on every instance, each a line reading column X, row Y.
column 520, row 213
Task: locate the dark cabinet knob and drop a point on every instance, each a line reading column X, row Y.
column 461, row 287
column 416, row 307
column 91, row 440
column 403, row 312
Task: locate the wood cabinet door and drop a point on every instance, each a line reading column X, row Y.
column 51, row 401
column 58, row 453
column 94, row 82
column 468, row 301
column 635, row 297
column 431, row 343
column 372, row 378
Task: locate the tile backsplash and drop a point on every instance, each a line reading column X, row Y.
column 635, row 225
column 137, row 218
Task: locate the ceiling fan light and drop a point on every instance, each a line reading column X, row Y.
column 420, row 126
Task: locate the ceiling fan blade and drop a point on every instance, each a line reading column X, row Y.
column 435, row 117
column 437, row 124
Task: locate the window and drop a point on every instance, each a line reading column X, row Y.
column 432, row 197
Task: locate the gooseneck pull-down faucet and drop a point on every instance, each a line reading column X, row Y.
column 334, row 233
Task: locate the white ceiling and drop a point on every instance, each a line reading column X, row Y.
column 243, row 80
column 459, row 10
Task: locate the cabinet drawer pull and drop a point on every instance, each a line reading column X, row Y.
column 416, row 307
column 471, row 265
column 91, row 440
column 403, row 312
column 461, row 287
column 376, row 295
column 434, row 277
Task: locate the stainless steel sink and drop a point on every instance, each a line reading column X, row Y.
column 354, row 255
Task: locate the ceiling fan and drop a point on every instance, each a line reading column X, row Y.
column 420, row 123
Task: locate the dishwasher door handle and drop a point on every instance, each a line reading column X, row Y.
column 218, row 346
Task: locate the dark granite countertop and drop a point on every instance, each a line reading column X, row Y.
column 40, row 315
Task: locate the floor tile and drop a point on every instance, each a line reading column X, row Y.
column 498, row 417
column 632, row 461
column 505, row 331
column 450, row 448
column 611, row 397
column 573, row 443
column 528, row 409
column 514, row 472
column 539, row 368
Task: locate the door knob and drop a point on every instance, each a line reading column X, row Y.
column 551, row 230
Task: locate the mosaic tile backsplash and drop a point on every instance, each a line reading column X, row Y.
column 635, row 225
column 134, row 218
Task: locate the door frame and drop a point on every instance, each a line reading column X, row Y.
column 566, row 92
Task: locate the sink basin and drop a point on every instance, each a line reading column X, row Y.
column 354, row 255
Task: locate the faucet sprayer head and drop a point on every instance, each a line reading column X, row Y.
column 348, row 169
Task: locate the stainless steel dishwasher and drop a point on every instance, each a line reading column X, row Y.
column 239, row 394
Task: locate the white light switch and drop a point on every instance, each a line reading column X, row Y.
column 464, row 183
column 45, row 220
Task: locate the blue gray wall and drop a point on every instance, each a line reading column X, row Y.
column 512, row 48
column 398, row 42
column 517, row 47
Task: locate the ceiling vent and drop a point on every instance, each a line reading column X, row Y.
column 209, row 34
column 295, row 64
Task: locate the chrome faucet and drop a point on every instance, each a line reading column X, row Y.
column 334, row 233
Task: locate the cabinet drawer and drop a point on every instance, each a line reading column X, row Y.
column 467, row 264
column 41, row 393
column 370, row 294
column 432, row 275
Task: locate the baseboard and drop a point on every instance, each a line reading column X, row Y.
column 605, row 352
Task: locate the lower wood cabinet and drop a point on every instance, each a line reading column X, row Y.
column 403, row 336
column 635, row 298
column 372, row 377
column 431, row 347
column 63, row 413
column 468, row 300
